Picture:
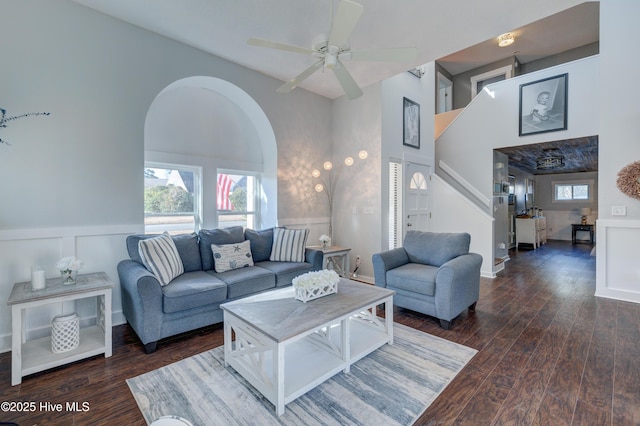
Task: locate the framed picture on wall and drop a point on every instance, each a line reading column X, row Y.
column 411, row 123
column 543, row 105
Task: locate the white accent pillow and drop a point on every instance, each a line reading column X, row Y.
column 160, row 256
column 289, row 245
column 231, row 256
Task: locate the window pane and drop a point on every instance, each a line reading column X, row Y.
column 563, row 192
column 237, row 199
column 581, row 192
column 169, row 201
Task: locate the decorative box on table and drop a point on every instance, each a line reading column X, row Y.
column 313, row 285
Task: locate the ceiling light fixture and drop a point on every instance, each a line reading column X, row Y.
column 550, row 162
column 506, row 39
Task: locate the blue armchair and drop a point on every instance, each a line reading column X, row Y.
column 433, row 273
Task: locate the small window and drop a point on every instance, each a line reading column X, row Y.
column 170, row 201
column 572, row 191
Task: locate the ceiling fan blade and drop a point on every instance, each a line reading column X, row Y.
column 401, row 54
column 347, row 82
column 291, row 84
column 344, row 22
column 280, row 46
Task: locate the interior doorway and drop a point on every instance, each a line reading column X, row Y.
column 444, row 101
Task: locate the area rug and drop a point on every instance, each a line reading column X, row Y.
column 392, row 386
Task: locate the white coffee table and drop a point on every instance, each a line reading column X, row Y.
column 285, row 348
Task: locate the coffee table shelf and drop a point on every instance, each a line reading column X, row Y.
column 285, row 348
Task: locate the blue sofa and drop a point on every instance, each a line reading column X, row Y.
column 192, row 300
column 433, row 273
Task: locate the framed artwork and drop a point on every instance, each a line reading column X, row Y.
column 411, row 123
column 543, row 105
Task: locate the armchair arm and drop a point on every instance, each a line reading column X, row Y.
column 314, row 257
column 141, row 300
column 382, row 262
column 457, row 285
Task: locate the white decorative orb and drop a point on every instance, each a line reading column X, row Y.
column 315, row 173
column 327, row 165
column 363, row 154
column 348, row 161
column 319, row 187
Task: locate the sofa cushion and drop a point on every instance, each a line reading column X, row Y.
column 286, row 271
column 261, row 242
column 186, row 244
column 245, row 281
column 193, row 289
column 435, row 249
column 232, row 256
column 160, row 256
column 413, row 277
column 234, row 234
column 289, row 245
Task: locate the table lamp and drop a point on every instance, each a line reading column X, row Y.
column 584, row 212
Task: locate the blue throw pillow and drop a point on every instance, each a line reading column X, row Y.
column 233, row 234
column 261, row 242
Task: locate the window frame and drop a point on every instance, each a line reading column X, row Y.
column 257, row 196
column 197, row 189
column 588, row 182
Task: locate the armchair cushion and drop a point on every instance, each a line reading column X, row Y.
column 435, row 249
column 413, row 277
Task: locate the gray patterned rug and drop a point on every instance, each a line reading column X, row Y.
column 391, row 386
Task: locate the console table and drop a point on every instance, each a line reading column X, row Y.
column 28, row 357
column 580, row 227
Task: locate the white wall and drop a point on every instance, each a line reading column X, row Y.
column 394, row 89
column 357, row 212
column 73, row 180
column 618, row 271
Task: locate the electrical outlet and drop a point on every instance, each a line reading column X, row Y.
column 618, row 210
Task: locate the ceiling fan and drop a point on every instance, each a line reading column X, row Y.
column 331, row 50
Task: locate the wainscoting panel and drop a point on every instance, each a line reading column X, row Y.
column 617, row 267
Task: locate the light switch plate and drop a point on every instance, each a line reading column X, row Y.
column 618, row 210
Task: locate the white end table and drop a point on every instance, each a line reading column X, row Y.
column 338, row 257
column 28, row 357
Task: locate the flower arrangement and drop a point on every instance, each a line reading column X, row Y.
column 68, row 267
column 313, row 285
column 325, row 240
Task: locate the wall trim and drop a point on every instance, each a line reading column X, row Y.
column 617, row 239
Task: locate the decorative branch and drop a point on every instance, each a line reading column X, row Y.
column 4, row 119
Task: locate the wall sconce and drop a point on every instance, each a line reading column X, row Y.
column 328, row 184
column 506, row 39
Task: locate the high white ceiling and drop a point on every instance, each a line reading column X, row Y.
column 437, row 28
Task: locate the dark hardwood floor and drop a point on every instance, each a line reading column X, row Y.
column 550, row 353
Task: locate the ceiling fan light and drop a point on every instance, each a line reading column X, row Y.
column 506, row 39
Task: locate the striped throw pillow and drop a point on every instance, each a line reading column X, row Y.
column 289, row 245
column 160, row 256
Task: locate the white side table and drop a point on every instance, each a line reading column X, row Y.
column 338, row 257
column 28, row 357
